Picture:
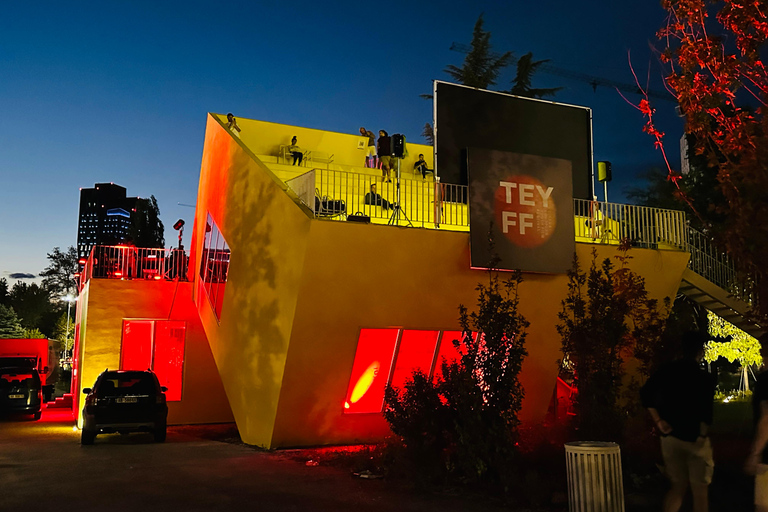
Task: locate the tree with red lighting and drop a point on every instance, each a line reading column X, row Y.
column 712, row 49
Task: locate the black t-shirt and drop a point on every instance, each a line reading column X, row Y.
column 683, row 395
column 385, row 146
column 760, row 394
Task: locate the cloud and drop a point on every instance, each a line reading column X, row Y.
column 22, row 275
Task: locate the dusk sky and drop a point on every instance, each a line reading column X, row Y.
column 119, row 91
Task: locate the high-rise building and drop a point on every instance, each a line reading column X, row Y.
column 105, row 216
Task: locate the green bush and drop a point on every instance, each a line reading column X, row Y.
column 464, row 426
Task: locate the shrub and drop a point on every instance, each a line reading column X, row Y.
column 465, row 424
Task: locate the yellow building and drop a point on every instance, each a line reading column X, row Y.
column 299, row 317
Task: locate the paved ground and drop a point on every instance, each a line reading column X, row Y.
column 44, row 468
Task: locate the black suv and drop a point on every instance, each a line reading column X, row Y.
column 124, row 401
column 21, row 391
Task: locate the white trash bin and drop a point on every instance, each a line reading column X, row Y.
column 594, row 477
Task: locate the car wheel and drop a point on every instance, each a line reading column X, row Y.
column 38, row 415
column 160, row 432
column 87, row 436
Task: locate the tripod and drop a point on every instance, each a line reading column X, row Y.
column 394, row 220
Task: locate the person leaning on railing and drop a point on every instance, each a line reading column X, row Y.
column 374, row 199
column 370, row 155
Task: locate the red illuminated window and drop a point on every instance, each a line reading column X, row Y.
column 136, row 349
column 214, row 265
column 417, row 351
column 158, row 345
column 370, row 370
column 447, row 351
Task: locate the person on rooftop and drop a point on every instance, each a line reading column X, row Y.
column 232, row 125
column 385, row 155
column 370, row 155
column 421, row 166
column 374, row 199
column 296, row 151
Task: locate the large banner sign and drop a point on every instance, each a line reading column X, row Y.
column 474, row 118
column 526, row 201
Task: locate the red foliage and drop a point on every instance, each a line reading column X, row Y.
column 712, row 49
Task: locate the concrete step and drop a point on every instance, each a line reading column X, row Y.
column 61, row 402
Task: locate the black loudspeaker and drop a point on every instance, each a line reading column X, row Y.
column 398, row 145
column 359, row 217
column 603, row 171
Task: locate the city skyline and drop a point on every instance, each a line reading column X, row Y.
column 107, row 93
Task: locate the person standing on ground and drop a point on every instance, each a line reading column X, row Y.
column 679, row 398
column 385, row 155
column 757, row 462
column 370, row 155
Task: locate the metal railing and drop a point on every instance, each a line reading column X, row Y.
column 425, row 204
column 434, row 205
column 128, row 262
column 638, row 226
column 716, row 266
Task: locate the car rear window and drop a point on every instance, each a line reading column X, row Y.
column 120, row 384
column 10, row 376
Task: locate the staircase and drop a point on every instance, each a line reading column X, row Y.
column 61, row 402
column 711, row 280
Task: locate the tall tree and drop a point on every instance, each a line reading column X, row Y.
column 64, row 332
column 4, row 292
column 526, row 67
column 32, row 304
column 147, row 229
column 59, row 275
column 429, row 134
column 10, row 327
column 716, row 72
column 606, row 316
column 481, row 67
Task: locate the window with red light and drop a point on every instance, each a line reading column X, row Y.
column 416, row 352
column 214, row 265
column 390, row 356
column 159, row 346
column 370, row 370
column 447, row 351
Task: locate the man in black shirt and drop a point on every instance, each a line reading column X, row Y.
column 374, row 199
column 679, row 398
column 757, row 463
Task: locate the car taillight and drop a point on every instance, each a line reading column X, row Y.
column 91, row 400
column 160, row 399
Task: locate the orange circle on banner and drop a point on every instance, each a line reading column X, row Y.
column 525, row 211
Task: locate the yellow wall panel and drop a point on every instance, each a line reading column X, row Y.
column 265, row 138
column 413, row 279
column 108, row 302
column 267, row 233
